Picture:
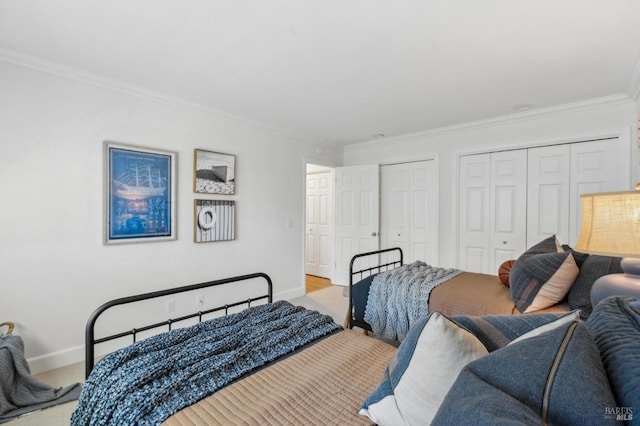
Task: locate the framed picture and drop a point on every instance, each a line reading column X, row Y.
column 214, row 220
column 214, row 173
column 139, row 193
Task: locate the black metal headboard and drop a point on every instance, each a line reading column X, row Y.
column 380, row 265
column 91, row 341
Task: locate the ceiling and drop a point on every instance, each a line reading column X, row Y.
column 338, row 71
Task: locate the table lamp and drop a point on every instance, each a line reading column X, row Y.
column 611, row 227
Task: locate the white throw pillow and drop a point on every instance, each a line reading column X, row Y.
column 427, row 363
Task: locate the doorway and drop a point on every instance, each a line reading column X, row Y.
column 344, row 206
column 319, row 226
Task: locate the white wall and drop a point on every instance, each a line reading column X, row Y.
column 594, row 118
column 54, row 269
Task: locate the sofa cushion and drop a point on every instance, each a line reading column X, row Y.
column 424, row 367
column 553, row 378
column 542, row 276
column 615, row 326
column 496, row 331
column 593, row 267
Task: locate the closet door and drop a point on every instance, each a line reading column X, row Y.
column 596, row 166
column 532, row 193
column 424, row 225
column 395, row 190
column 409, row 209
column 474, row 233
column 508, row 207
column 548, row 193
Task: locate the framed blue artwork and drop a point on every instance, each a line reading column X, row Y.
column 140, row 194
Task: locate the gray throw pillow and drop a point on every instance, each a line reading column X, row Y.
column 542, row 276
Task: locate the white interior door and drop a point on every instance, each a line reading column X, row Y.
column 395, row 192
column 319, row 251
column 596, row 166
column 357, row 216
column 474, row 233
column 548, row 193
column 409, row 209
column 424, row 221
column 508, row 207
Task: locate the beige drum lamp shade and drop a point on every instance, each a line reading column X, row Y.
column 610, row 224
column 611, row 227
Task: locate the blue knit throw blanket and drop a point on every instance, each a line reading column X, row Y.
column 147, row 382
column 398, row 298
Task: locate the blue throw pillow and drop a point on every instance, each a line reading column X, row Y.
column 554, row 378
column 615, row 325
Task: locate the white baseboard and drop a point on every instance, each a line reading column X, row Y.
column 291, row 294
column 53, row 360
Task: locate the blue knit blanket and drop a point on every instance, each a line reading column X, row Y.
column 147, row 382
column 398, row 298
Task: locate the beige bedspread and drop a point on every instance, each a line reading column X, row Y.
column 324, row 384
column 476, row 294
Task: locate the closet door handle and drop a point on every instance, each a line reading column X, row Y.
column 373, row 234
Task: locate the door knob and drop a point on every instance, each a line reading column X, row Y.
column 504, row 242
column 373, row 234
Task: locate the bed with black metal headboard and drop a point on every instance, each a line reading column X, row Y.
column 362, row 269
column 270, row 352
column 453, row 292
column 91, row 341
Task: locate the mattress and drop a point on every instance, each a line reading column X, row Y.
column 475, row 294
column 323, row 384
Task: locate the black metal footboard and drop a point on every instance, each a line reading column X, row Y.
column 392, row 260
column 91, row 341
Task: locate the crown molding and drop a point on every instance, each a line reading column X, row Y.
column 499, row 121
column 96, row 80
column 632, row 93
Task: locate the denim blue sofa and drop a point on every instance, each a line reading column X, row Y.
column 525, row 369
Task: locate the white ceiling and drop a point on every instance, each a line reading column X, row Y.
column 338, row 71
